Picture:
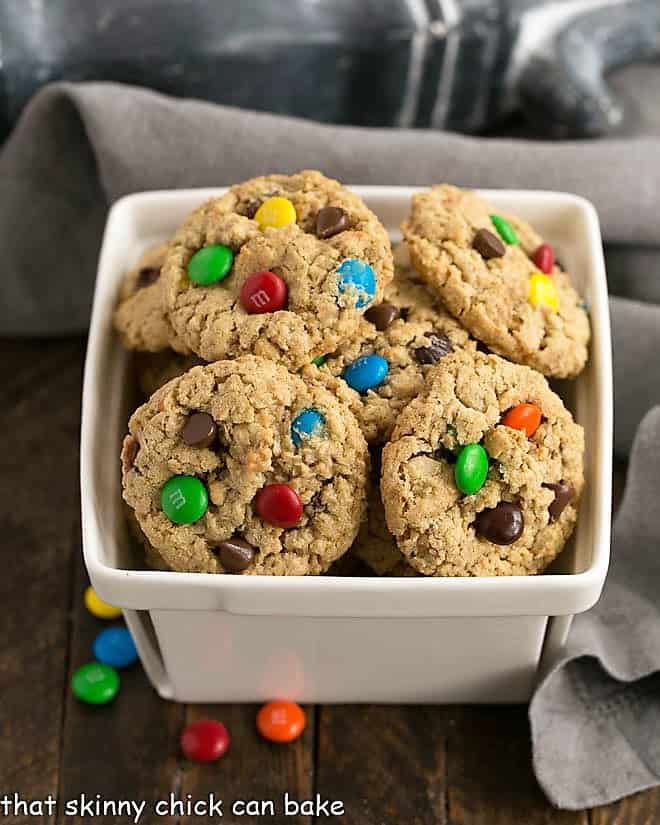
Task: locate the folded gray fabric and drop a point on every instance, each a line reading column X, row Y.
column 78, row 148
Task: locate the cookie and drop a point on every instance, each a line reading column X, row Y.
column 242, row 467
column 153, row 369
column 283, row 267
column 397, row 344
column 509, row 295
column 375, row 545
column 140, row 318
column 484, row 471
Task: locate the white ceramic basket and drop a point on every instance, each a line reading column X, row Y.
column 328, row 639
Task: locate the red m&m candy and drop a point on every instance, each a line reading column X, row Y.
column 204, row 741
column 279, row 504
column 263, row 292
column 544, row 258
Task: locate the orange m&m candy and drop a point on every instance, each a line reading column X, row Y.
column 525, row 417
column 281, row 721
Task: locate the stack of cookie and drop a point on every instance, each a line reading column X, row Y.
column 312, row 396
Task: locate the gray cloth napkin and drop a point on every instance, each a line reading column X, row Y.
column 77, row 148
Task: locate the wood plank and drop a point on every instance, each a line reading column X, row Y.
column 386, row 764
column 39, row 422
column 490, row 779
column 252, row 769
column 639, row 809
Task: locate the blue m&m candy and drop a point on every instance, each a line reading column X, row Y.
column 357, row 276
column 367, row 372
column 114, row 646
column 306, row 424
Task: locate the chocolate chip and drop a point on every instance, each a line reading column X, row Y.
column 488, row 245
column 439, row 346
column 382, row 315
column 236, row 554
column 199, row 430
column 147, row 276
column 503, row 524
column 250, row 209
column 331, row 220
column 129, row 452
column 563, row 494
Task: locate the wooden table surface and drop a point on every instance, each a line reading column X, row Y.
column 408, row 765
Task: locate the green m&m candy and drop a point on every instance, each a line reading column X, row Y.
column 471, row 469
column 319, row 361
column 210, row 264
column 184, row 499
column 95, row 684
column 504, row 229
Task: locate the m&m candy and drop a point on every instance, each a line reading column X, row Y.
column 525, row 417
column 279, row 504
column 471, row 469
column 95, row 683
column 97, row 607
column 204, row 741
column 542, row 291
column 358, row 277
column 366, row 372
column 184, row 499
column 210, row 264
column 264, row 292
column 281, row 721
column 503, row 524
column 306, row 424
column 544, row 258
column 114, row 646
column 319, row 361
column 504, row 229
column 276, row 213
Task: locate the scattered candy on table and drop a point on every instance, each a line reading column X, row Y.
column 331, row 220
column 199, row 430
column 97, row 607
column 276, row 213
column 542, row 291
column 366, row 372
column 184, row 499
column 210, row 264
column 204, row 741
column 471, row 469
column 504, row 230
column 264, row 292
column 525, row 417
column 236, row 554
column 306, row 424
column 382, row 315
column 95, row 683
column 502, row 524
column 281, row 721
column 115, row 647
column 544, row 258
column 488, row 245
column 279, row 504
column 357, row 276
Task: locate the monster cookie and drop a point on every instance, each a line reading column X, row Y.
column 242, row 467
column 484, row 471
column 140, row 317
column 280, row 266
column 153, row 369
column 509, row 295
column 384, row 366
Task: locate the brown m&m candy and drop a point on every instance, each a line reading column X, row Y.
column 439, row 346
column 199, row 430
column 502, row 524
column 331, row 220
column 382, row 315
column 147, row 276
column 488, row 245
column 563, row 494
column 236, row 554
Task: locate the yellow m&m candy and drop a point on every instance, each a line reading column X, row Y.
column 542, row 291
column 276, row 213
column 99, row 608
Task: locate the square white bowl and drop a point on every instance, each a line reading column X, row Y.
column 491, row 630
